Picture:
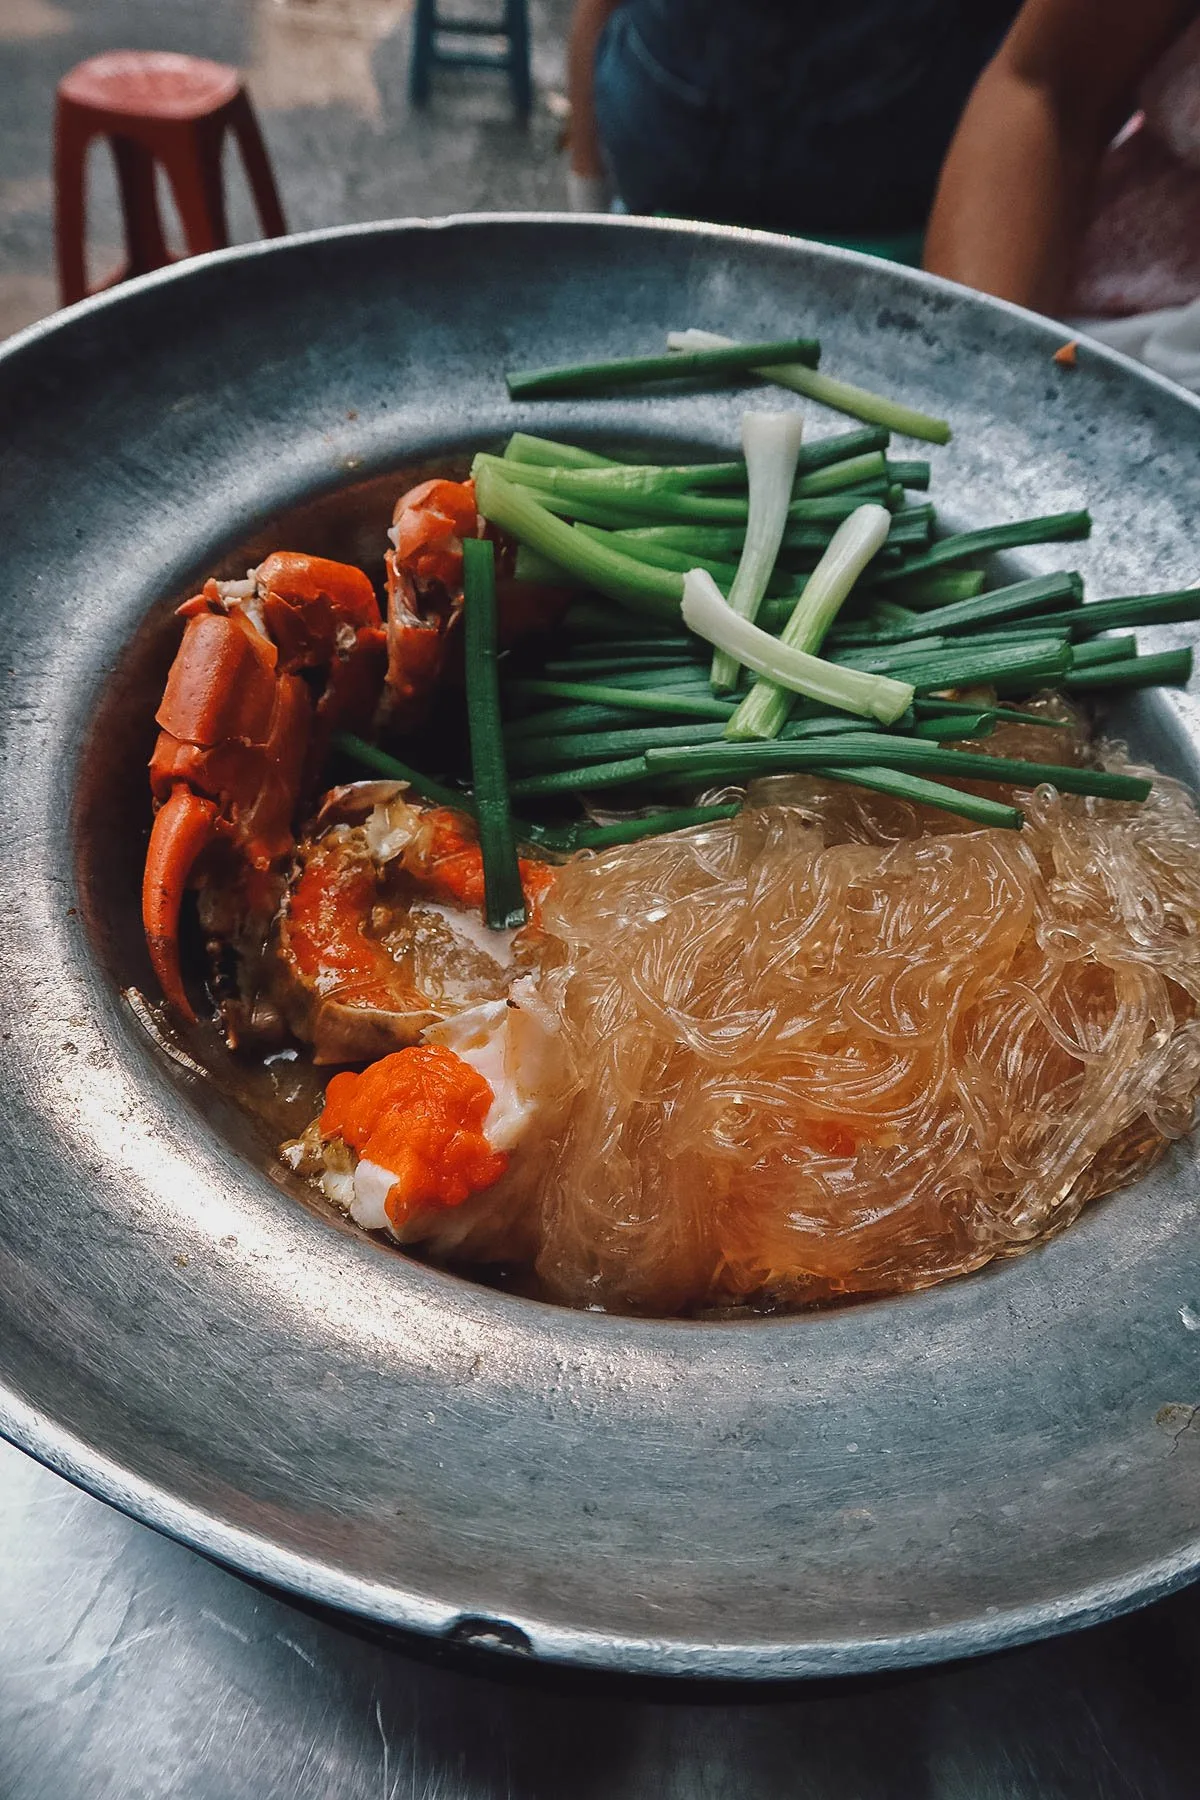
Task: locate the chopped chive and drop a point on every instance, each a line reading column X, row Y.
column 504, row 898
column 1054, row 528
column 1171, row 668
column 684, row 705
column 860, row 403
column 589, row 378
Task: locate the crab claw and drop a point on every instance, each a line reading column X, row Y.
column 183, row 826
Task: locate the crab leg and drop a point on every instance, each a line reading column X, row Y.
column 183, row 826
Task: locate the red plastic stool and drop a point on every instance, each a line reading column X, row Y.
column 154, row 107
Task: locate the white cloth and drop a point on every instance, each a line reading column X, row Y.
column 1167, row 341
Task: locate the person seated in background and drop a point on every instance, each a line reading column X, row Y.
column 986, row 118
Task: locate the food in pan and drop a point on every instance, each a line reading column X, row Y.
column 698, row 888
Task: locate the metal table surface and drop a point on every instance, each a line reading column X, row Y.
column 130, row 1668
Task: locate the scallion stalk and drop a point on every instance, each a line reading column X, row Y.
column 860, row 403
column 706, row 613
column 522, row 447
column 1130, row 610
column 504, row 898
column 903, row 786
column 1171, row 668
column 633, row 584
column 573, row 781
column 1017, row 602
column 771, row 445
column 764, row 711
column 370, row 756
column 1098, row 651
column 624, row 371
column 724, row 760
column 1054, row 528
column 655, row 700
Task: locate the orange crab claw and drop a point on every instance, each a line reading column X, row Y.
column 428, row 527
column 183, row 826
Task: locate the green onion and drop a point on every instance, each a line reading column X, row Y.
column 899, row 752
column 1004, row 715
column 771, row 445
column 631, row 647
column 706, row 613
column 368, row 756
column 552, row 751
column 909, row 474
column 633, row 584
column 589, row 378
column 661, row 556
column 860, row 403
column 1054, row 528
column 948, row 728
column 684, row 705
column 940, row 588
column 659, row 824
column 504, row 899
column 1032, row 661
column 521, row 447
column 1130, row 610
column 573, row 781
column 649, row 669
column 591, row 618
column 818, row 453
column 764, row 710
column 1017, row 601
column 930, row 793
column 1171, row 668
column 1098, row 651
column 561, row 719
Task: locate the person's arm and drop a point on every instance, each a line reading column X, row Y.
column 587, row 23
column 1016, row 184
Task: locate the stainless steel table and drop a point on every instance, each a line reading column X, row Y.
column 130, row 1668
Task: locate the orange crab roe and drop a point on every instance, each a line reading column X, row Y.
column 418, row 1113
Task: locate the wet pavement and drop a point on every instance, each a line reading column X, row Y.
column 328, row 78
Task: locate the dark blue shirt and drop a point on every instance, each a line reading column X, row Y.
column 789, row 114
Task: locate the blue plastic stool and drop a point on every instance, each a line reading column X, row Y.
column 428, row 26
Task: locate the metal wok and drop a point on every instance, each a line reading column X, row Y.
column 183, row 1333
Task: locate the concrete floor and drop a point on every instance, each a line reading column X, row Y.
column 329, row 80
